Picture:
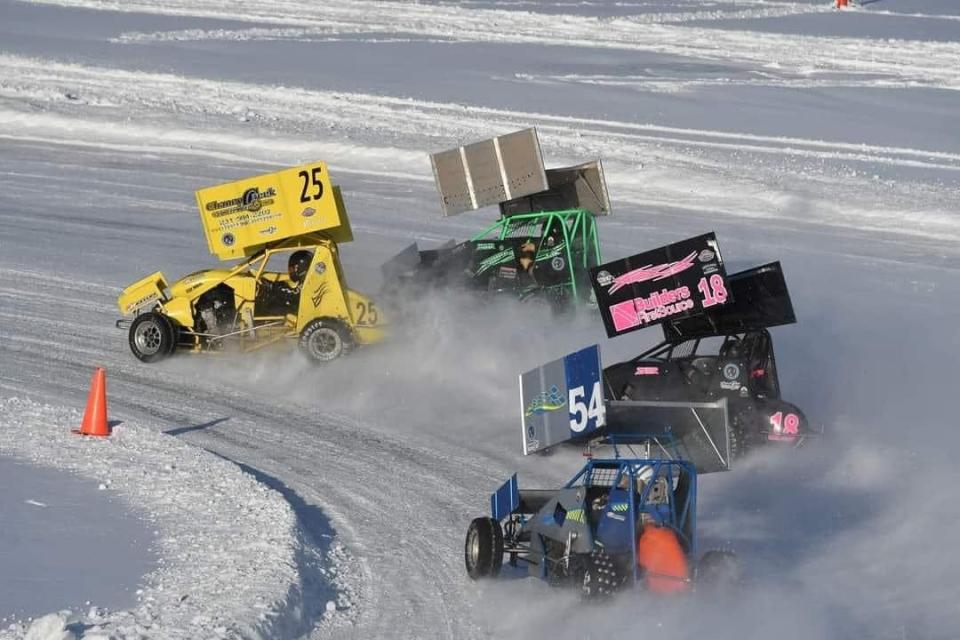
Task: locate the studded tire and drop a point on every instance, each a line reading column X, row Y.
column 324, row 340
column 601, row 578
column 483, row 548
column 152, row 337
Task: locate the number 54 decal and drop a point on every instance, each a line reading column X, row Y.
column 584, row 409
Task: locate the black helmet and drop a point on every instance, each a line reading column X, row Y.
column 298, row 264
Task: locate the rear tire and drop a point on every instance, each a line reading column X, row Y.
column 601, row 579
column 152, row 337
column 483, row 548
column 324, row 340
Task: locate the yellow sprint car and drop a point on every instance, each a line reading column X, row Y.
column 288, row 285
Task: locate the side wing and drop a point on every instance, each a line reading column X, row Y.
column 562, row 400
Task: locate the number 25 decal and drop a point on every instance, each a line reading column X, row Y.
column 581, row 413
column 311, row 179
column 366, row 313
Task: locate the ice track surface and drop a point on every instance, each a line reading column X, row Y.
column 793, row 135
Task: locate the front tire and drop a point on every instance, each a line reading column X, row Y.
column 325, row 340
column 152, row 337
column 483, row 549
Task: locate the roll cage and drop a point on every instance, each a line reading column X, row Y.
column 755, row 348
column 570, row 234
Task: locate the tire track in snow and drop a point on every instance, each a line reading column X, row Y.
column 378, row 488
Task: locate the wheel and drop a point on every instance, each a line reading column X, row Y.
column 719, row 570
column 152, row 337
column 483, row 548
column 600, row 576
column 323, row 340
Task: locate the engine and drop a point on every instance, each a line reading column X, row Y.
column 216, row 311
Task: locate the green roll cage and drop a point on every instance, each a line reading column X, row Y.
column 574, row 224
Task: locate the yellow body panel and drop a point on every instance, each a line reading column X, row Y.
column 142, row 293
column 241, row 218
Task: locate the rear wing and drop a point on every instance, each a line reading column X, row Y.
column 760, row 300
column 508, row 170
column 489, row 172
column 581, row 186
column 563, row 400
column 695, row 431
column 674, row 282
column 240, row 218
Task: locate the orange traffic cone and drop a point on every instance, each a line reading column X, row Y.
column 95, row 417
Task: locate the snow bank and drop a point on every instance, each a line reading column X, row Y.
column 228, row 546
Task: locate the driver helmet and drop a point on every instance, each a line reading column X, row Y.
column 298, row 264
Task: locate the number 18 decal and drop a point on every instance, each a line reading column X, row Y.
column 713, row 291
column 788, row 425
column 581, row 413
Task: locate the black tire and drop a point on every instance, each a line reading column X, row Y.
column 152, row 337
column 601, row 578
column 483, row 549
column 174, row 337
column 324, row 340
column 719, row 570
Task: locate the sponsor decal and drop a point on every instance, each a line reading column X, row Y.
column 494, row 260
column 308, row 212
column 647, row 371
column 321, row 268
column 153, row 297
column 615, row 516
column 251, row 200
column 657, row 306
column 558, row 263
column 228, row 239
column 508, row 273
column 550, row 252
column 729, row 386
column 731, row 371
column 675, row 281
column 486, row 246
column 318, row 294
column 652, row 273
column 269, row 231
column 550, row 400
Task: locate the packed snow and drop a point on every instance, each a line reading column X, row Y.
column 230, row 551
column 290, row 501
